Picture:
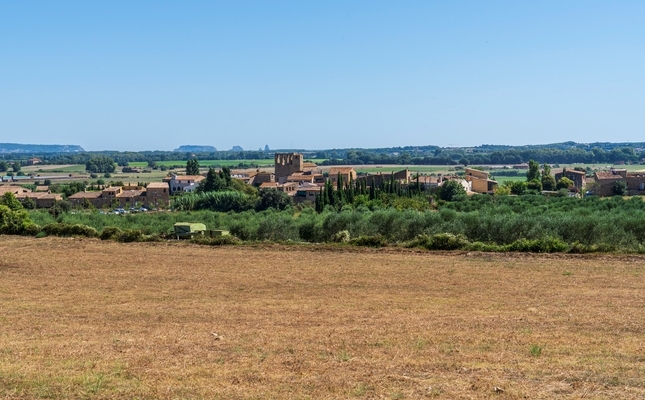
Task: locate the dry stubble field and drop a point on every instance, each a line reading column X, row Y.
column 83, row 318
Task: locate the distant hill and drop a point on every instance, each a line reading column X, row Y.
column 16, row 148
column 237, row 148
column 195, row 149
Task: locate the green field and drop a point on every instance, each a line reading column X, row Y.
column 204, row 163
column 228, row 163
column 424, row 169
column 606, row 166
column 501, row 179
column 55, row 169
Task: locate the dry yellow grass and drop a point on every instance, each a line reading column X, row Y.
column 82, row 318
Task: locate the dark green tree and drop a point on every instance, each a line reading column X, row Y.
column 9, row 200
column 518, row 188
column 535, row 184
column 450, row 190
column 273, row 198
column 29, row 204
column 533, row 172
column 564, row 183
column 210, row 183
column 548, row 181
column 100, row 164
column 192, row 167
column 619, row 188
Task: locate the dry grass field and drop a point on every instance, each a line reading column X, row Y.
column 82, row 318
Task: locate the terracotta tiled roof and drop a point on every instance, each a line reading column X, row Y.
column 607, row 175
column 195, row 178
column 85, row 195
column 342, row 170
column 157, row 185
column 13, row 189
column 131, row 193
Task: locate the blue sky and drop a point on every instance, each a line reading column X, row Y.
column 155, row 75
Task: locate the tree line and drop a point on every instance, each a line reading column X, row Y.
column 557, row 153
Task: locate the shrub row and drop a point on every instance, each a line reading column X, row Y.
column 440, row 241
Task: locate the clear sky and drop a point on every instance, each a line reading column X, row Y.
column 152, row 75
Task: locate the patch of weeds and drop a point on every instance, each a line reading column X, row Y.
column 94, row 383
column 446, row 348
column 420, row 344
column 566, row 273
column 261, row 356
column 535, row 350
column 440, row 241
column 41, row 235
column 613, row 381
column 436, row 391
column 360, row 390
column 216, row 241
column 369, row 241
column 486, row 347
column 397, row 396
column 344, row 356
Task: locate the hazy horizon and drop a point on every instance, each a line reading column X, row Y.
column 152, row 76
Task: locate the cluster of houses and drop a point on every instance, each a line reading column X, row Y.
column 303, row 180
column 42, row 197
column 634, row 182
column 153, row 195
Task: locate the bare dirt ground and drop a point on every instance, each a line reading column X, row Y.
column 82, row 318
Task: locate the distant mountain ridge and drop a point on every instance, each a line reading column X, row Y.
column 195, row 149
column 17, row 148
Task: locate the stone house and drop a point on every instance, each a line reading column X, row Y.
column 480, row 181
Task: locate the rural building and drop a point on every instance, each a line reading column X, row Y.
column 154, row 195
column 480, row 181
column 13, row 189
column 429, row 182
column 247, row 177
column 287, row 164
column 347, row 173
column 606, row 179
column 42, row 200
column 308, row 193
column 288, row 187
column 94, row 198
column 578, row 177
column 467, row 185
column 635, row 181
column 157, row 194
column 263, row 177
column 379, row 179
column 32, row 161
column 184, row 183
column 306, row 177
